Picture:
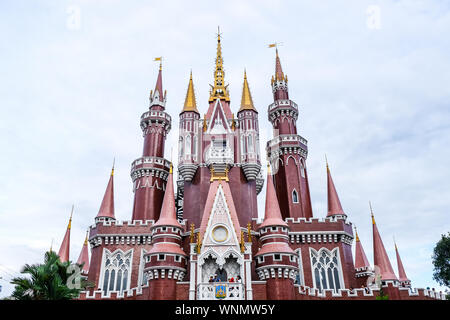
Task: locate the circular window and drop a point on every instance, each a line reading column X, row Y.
column 220, row 234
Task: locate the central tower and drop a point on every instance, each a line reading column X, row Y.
column 219, row 146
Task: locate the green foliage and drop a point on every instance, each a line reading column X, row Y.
column 382, row 296
column 47, row 281
column 441, row 261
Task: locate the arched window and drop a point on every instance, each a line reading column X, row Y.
column 116, row 269
column 294, row 196
column 242, row 145
column 326, row 269
column 250, row 143
column 194, row 147
column 180, row 147
column 188, row 145
column 302, row 169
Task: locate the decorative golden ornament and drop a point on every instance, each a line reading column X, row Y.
column 192, row 235
column 249, row 231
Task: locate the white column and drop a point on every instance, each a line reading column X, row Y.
column 248, row 274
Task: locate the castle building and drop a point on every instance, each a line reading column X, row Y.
column 204, row 242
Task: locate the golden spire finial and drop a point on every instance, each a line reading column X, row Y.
column 86, row 239
column 249, row 231
column 326, row 161
column 114, row 162
column 199, row 242
column 268, row 168
column 371, row 213
column 160, row 62
column 189, row 103
column 204, row 123
column 51, row 245
column 356, row 234
column 395, row 244
column 70, row 219
column 219, row 90
column 192, row 233
column 242, row 241
column 246, row 101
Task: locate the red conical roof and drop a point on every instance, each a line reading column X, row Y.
column 158, row 86
column 272, row 213
column 401, row 271
column 380, row 257
column 278, row 70
column 334, row 204
column 107, row 206
column 360, row 256
column 84, row 256
column 168, row 215
column 64, row 250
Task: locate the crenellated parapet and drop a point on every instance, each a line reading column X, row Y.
column 154, row 120
column 280, row 109
column 155, row 167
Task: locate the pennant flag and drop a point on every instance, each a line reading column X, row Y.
column 272, row 45
column 158, row 59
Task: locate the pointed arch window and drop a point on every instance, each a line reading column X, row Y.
column 250, row 143
column 194, row 146
column 188, row 144
column 180, row 147
column 326, row 269
column 302, row 169
column 294, row 196
column 116, row 269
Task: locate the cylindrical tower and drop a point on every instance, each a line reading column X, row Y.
column 287, row 151
column 149, row 173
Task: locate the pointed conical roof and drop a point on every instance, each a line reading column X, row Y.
column 64, row 250
column 107, row 207
column 189, row 103
column 246, row 101
column 380, row 257
column 272, row 213
column 401, row 271
column 84, row 256
column 158, row 86
column 168, row 215
column 334, row 204
column 279, row 75
column 361, row 260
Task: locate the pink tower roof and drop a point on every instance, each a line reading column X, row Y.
column 381, row 258
column 158, row 86
column 334, row 204
column 64, row 250
column 401, row 271
column 168, row 215
column 107, row 206
column 84, row 256
column 360, row 256
column 278, row 70
column 272, row 213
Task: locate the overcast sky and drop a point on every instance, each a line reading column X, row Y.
column 371, row 79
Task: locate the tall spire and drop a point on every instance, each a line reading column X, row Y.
column 189, row 103
column 360, row 256
column 64, row 250
column 247, row 101
column 107, row 206
column 168, row 216
column 272, row 213
column 279, row 75
column 334, row 204
column 401, row 271
column 380, row 257
column 158, row 97
column 219, row 89
column 84, row 256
